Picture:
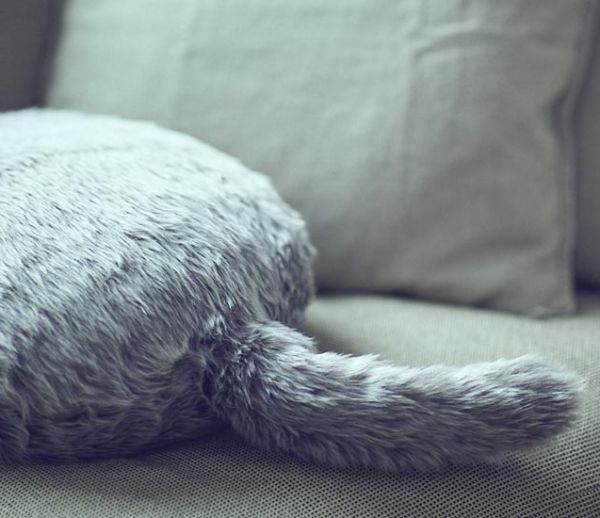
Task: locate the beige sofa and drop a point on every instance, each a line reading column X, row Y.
column 225, row 477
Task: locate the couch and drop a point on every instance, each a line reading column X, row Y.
column 223, row 476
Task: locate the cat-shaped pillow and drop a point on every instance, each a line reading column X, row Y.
column 149, row 288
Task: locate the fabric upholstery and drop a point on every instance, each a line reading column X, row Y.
column 25, row 34
column 417, row 139
column 587, row 257
column 223, row 477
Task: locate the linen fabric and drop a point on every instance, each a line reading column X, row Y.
column 224, row 477
column 587, row 251
column 26, row 32
column 425, row 144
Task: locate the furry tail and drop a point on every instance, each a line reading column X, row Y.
column 279, row 393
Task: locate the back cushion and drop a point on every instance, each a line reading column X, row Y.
column 422, row 140
column 25, row 34
column 588, row 177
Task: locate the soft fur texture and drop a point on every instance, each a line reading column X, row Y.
column 149, row 286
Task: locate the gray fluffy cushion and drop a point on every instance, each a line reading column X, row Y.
column 149, row 286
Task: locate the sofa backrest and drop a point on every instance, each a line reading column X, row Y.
column 27, row 35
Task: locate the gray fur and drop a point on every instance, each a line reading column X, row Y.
column 149, row 286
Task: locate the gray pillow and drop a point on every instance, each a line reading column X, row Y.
column 148, row 289
column 417, row 138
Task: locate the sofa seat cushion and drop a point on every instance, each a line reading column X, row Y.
column 224, row 477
